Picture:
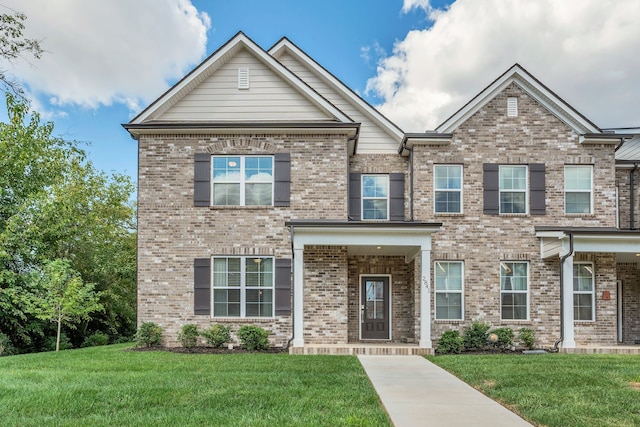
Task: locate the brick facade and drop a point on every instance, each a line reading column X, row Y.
column 172, row 232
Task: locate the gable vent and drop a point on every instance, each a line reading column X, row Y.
column 243, row 78
column 512, row 107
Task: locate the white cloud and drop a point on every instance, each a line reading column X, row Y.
column 586, row 51
column 104, row 52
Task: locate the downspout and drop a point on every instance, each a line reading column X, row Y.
column 293, row 290
column 555, row 348
column 632, row 213
column 410, row 183
column 403, row 147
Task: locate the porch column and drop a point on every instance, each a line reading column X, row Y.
column 298, row 297
column 425, row 297
column 567, row 299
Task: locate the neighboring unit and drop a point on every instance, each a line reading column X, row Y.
column 271, row 194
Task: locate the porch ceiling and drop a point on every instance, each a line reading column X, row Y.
column 366, row 238
column 624, row 243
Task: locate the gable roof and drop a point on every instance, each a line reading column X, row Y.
column 214, row 62
column 284, row 45
column 525, row 80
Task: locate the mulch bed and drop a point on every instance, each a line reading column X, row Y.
column 209, row 350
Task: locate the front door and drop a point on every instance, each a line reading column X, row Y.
column 374, row 293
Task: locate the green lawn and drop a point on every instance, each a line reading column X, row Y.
column 109, row 386
column 556, row 389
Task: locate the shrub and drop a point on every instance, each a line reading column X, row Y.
column 253, row 337
column 49, row 343
column 6, row 347
column 476, row 336
column 505, row 337
column 450, row 342
column 188, row 335
column 4, row 342
column 95, row 339
column 149, row 334
column 527, row 338
column 217, row 335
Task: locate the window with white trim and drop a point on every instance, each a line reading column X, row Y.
column 578, row 189
column 448, row 188
column 514, row 290
column 583, row 291
column 513, row 189
column 449, row 290
column 243, row 287
column 242, row 181
column 375, row 197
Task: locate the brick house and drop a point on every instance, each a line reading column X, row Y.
column 269, row 193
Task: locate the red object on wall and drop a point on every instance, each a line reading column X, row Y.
column 606, row 295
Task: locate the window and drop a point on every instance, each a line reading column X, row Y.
column 577, row 189
column 449, row 280
column 583, row 291
column 514, row 286
column 513, row 189
column 242, row 287
column 448, row 188
column 375, row 196
column 242, row 180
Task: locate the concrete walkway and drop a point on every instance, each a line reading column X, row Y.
column 415, row 392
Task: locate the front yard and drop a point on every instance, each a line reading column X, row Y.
column 102, row 386
column 557, row 389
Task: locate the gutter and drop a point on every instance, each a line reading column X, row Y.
column 555, row 348
column 403, row 147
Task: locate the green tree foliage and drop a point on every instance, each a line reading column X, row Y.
column 13, row 45
column 61, row 296
column 56, row 205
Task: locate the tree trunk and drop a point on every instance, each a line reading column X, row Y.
column 58, row 335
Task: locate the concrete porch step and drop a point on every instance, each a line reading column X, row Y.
column 362, row 349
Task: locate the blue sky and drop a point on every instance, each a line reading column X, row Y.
column 417, row 60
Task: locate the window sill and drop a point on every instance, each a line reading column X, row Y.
column 243, row 319
column 243, row 208
column 580, row 215
column 449, row 214
column 449, row 321
column 515, row 214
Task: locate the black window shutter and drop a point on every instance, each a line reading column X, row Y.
column 355, row 194
column 282, row 179
column 202, row 286
column 202, row 179
column 396, row 196
column 491, row 188
column 537, row 188
column 283, row 287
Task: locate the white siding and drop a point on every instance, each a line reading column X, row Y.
column 268, row 98
column 373, row 138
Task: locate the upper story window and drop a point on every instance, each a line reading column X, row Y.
column 513, row 189
column 583, row 291
column 578, row 189
column 514, row 290
column 518, row 189
column 242, row 181
column 449, row 290
column 448, row 188
column 375, row 197
column 243, row 287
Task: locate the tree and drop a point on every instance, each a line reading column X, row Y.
column 13, row 45
column 61, row 296
column 56, row 205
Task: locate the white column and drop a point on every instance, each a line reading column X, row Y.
column 425, row 297
column 298, row 297
column 567, row 298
